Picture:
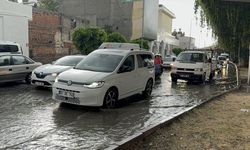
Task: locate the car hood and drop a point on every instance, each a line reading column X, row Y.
column 47, row 69
column 83, row 76
column 188, row 65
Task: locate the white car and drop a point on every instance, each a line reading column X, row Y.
column 106, row 76
column 45, row 75
column 16, row 67
column 168, row 60
column 193, row 65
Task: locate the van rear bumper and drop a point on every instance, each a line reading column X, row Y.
column 186, row 76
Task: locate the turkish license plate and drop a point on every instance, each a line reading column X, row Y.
column 184, row 75
column 39, row 83
column 65, row 93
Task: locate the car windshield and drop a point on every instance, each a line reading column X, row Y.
column 68, row 61
column 190, row 57
column 168, row 59
column 100, row 62
column 8, row 48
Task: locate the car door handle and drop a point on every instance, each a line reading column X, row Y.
column 10, row 69
column 27, row 68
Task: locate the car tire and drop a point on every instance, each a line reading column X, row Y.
column 148, row 89
column 28, row 78
column 110, row 99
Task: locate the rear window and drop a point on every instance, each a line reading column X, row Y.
column 8, row 48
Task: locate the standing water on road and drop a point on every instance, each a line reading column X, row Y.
column 30, row 119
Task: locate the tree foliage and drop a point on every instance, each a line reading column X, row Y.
column 143, row 43
column 116, row 37
column 88, row 39
column 230, row 22
column 52, row 5
column 177, row 51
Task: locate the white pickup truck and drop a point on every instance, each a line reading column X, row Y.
column 193, row 65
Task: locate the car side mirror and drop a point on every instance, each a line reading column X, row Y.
column 174, row 59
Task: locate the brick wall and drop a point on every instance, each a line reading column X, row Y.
column 46, row 38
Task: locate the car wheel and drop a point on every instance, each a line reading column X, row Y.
column 28, row 78
column 174, row 79
column 110, row 98
column 148, row 89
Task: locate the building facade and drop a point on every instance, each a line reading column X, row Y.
column 187, row 42
column 134, row 19
column 14, row 19
column 165, row 41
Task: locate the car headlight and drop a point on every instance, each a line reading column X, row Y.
column 54, row 74
column 56, row 80
column 94, row 85
column 198, row 69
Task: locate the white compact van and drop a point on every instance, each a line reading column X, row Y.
column 106, row 76
column 193, row 66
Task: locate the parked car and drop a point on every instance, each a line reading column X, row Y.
column 168, row 60
column 45, row 75
column 106, row 76
column 193, row 66
column 16, row 67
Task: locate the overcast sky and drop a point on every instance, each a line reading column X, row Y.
column 185, row 18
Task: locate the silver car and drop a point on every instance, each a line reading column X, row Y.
column 16, row 67
column 44, row 76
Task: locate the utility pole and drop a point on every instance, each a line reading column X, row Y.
column 248, row 78
column 143, row 7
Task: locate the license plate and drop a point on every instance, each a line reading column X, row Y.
column 184, row 75
column 39, row 83
column 66, row 93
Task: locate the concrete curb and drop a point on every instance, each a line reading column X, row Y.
column 124, row 144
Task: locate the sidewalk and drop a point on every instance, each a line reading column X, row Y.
column 221, row 124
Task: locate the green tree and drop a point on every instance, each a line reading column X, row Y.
column 143, row 43
column 177, row 51
column 230, row 22
column 52, row 5
column 116, row 37
column 88, row 39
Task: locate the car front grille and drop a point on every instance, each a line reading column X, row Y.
column 40, row 75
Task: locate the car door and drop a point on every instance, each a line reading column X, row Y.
column 20, row 67
column 126, row 79
column 145, row 67
column 6, row 73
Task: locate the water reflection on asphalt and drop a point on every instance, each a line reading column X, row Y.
column 30, row 119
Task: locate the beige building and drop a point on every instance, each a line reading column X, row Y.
column 165, row 41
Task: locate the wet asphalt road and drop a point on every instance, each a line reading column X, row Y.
column 30, row 119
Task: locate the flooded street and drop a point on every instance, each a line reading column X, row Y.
column 30, row 119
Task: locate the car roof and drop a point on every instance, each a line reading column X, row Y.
column 121, row 52
column 9, row 42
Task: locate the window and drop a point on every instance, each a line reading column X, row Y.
column 4, row 60
column 8, row 48
column 145, row 60
column 129, row 62
column 100, row 62
column 19, row 60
